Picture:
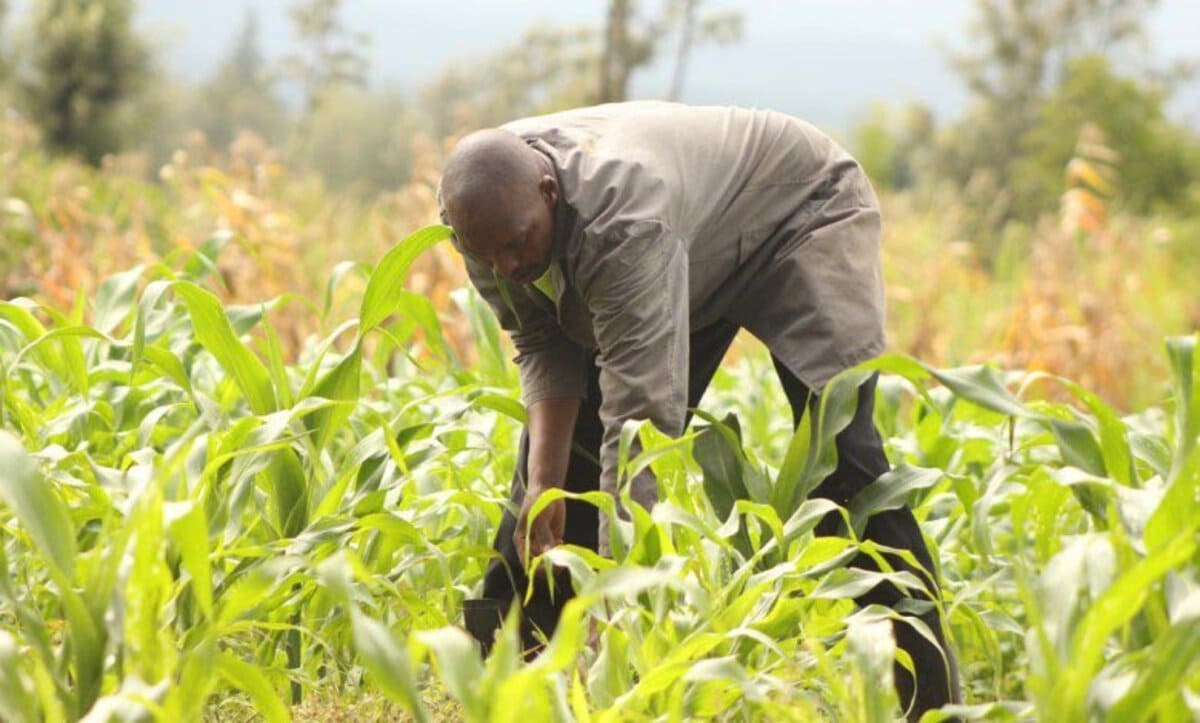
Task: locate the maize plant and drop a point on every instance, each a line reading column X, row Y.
column 195, row 527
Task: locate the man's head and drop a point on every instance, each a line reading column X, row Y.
column 499, row 195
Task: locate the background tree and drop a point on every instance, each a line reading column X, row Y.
column 552, row 68
column 1021, row 54
column 4, row 61
column 633, row 39
column 1156, row 159
column 549, row 69
column 695, row 28
column 86, row 71
column 894, row 144
column 241, row 95
column 360, row 140
column 331, row 54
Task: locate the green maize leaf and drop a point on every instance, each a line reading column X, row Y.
column 387, row 280
column 1185, row 375
column 245, row 318
column 493, row 364
column 506, row 405
column 203, row 263
column 720, row 460
column 340, row 271
column 873, row 648
column 316, row 367
column 458, row 663
column 795, row 460
column 214, row 331
column 1171, row 658
column 289, row 492
column 1114, row 443
column 340, row 384
column 893, row 489
column 423, row 313
column 249, row 678
column 620, row 582
column 69, row 346
column 838, row 405
column 16, row 699
column 1115, row 606
column 188, row 529
column 276, row 366
column 1079, row 446
column 981, row 385
column 1179, row 509
column 386, row 658
column 17, row 312
column 37, row 506
column 114, row 299
column 170, row 365
column 766, row 513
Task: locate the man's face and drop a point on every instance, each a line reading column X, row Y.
column 512, row 232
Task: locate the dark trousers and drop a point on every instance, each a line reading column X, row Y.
column 861, row 460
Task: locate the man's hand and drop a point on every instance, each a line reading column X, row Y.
column 550, row 425
column 545, row 531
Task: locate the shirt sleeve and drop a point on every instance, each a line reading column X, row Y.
column 637, row 294
column 550, row 365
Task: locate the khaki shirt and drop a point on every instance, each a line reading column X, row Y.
column 671, row 217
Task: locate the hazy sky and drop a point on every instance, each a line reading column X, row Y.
column 825, row 60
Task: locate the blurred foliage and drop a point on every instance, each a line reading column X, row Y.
column 894, row 144
column 633, row 37
column 331, row 54
column 87, row 66
column 1038, row 72
column 1156, row 162
column 998, row 246
column 360, row 139
column 552, row 67
column 241, row 95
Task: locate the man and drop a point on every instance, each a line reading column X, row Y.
column 622, row 247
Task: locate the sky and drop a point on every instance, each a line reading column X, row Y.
column 824, row 60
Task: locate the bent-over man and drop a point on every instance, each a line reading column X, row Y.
column 622, row 247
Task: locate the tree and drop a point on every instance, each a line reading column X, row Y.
column 553, row 68
column 632, row 41
column 893, row 145
column 549, row 69
column 332, row 55
column 1021, row 53
column 360, row 140
column 1156, row 160
column 695, row 28
column 241, row 95
column 87, row 70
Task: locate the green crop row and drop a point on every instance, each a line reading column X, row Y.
column 193, row 528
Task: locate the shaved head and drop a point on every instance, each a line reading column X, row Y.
column 499, row 195
column 487, row 164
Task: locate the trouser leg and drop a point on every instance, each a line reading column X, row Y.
column 505, row 578
column 861, row 460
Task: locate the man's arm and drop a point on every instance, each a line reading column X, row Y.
column 553, row 381
column 637, row 293
column 551, row 423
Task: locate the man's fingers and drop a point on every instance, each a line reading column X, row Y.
column 542, row 537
